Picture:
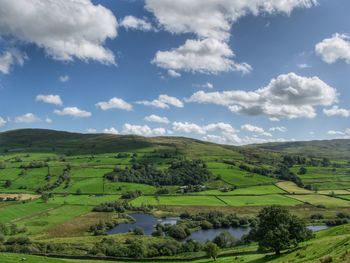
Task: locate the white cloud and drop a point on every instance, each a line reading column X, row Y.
column 208, row 56
column 156, row 118
column 255, row 129
column 174, row 74
column 51, row 99
column 163, row 102
column 288, row 96
column 114, row 103
column 213, row 19
column 48, row 120
column 303, row 66
column 206, row 85
column 335, row 48
column 91, row 130
column 111, row 130
column 211, row 22
column 65, row 29
column 74, row 112
column 186, row 127
column 144, row 130
column 340, row 134
column 131, row 22
column 278, row 128
column 27, row 118
column 64, row 78
column 335, row 110
column 2, row 122
column 9, row 58
column 332, row 132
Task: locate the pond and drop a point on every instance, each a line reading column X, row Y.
column 147, row 223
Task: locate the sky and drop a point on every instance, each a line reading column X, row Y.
column 227, row 71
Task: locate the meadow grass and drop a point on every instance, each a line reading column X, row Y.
column 184, row 200
column 252, row 190
column 85, row 200
column 20, row 210
column 292, row 188
column 238, row 177
column 265, row 200
column 315, row 199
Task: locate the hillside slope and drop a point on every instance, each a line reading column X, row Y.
column 41, row 140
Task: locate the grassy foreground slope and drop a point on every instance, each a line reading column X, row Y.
column 332, row 245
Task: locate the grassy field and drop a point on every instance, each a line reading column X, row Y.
column 322, row 200
column 67, row 216
column 292, row 188
column 178, row 200
column 253, row 190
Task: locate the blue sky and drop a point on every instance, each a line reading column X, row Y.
column 161, row 67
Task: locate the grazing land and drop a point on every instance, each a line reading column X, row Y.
column 63, row 191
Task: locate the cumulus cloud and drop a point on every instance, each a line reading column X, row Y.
column 255, row 129
column 210, row 22
column 114, row 103
column 51, row 99
column 213, row 19
column 287, row 96
column 2, row 122
column 278, row 128
column 48, row 120
column 335, row 110
column 134, row 23
column 142, row 130
column 64, row 78
column 206, row 85
column 209, row 56
column 164, row 102
column 335, row 48
column 91, row 130
column 111, row 130
column 172, row 73
column 345, row 134
column 186, row 127
column 156, row 118
column 73, row 112
column 65, row 29
column 9, row 58
column 27, row 118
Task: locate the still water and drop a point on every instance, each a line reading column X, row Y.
column 147, row 223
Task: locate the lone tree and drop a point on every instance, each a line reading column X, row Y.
column 277, row 229
column 212, row 250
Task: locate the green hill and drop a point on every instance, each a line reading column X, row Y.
column 41, row 140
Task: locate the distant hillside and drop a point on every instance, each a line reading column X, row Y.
column 327, row 148
column 41, row 140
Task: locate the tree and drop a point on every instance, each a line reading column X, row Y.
column 8, row 183
column 302, row 170
column 277, row 229
column 224, row 240
column 212, row 250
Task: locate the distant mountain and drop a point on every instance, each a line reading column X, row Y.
column 41, row 140
column 339, row 148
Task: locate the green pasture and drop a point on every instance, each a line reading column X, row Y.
column 264, row 200
column 184, row 200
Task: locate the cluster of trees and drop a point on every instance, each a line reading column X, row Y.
column 101, row 228
column 255, row 169
column 119, row 206
column 62, row 178
column 217, row 219
column 136, row 248
column 10, row 230
column 34, row 164
column 180, row 172
column 131, row 194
